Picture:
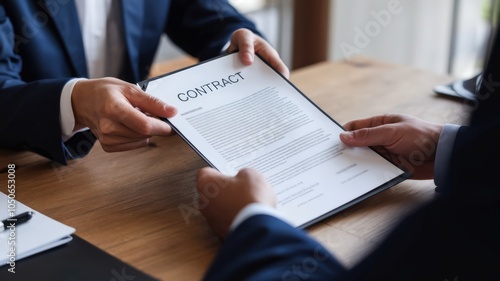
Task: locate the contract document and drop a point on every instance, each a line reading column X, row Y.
column 236, row 116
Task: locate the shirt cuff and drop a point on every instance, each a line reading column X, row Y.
column 251, row 210
column 226, row 46
column 443, row 152
column 66, row 116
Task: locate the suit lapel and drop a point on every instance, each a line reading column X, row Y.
column 132, row 16
column 68, row 26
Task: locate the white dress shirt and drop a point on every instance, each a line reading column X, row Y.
column 103, row 42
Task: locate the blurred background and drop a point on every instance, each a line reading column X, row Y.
column 444, row 37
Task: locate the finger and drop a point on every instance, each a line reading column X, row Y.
column 281, row 68
column 111, row 133
column 150, row 104
column 246, row 52
column 112, row 128
column 209, row 176
column 249, row 173
column 371, row 136
column 243, row 40
column 372, row 122
column 205, row 172
column 260, row 190
column 249, row 44
column 271, row 56
column 145, row 125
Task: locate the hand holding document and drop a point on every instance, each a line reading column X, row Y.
column 237, row 116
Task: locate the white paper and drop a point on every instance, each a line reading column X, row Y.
column 38, row 234
column 239, row 116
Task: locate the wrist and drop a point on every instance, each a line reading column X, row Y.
column 78, row 101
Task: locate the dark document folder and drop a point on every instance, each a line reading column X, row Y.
column 77, row 260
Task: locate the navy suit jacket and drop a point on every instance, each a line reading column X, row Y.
column 454, row 237
column 41, row 48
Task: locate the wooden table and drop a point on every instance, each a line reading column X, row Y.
column 138, row 205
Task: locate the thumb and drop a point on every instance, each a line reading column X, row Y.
column 211, row 177
column 377, row 136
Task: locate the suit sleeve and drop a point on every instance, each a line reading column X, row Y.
column 29, row 112
column 202, row 27
column 266, row 248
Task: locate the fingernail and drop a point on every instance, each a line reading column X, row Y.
column 170, row 109
column 249, row 56
column 347, row 135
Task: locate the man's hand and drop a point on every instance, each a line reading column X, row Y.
column 119, row 113
column 249, row 44
column 223, row 197
column 406, row 140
